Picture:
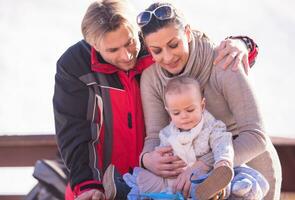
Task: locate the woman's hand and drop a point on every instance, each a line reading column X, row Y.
column 91, row 195
column 163, row 163
column 183, row 183
column 232, row 51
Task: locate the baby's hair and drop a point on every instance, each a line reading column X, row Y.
column 180, row 84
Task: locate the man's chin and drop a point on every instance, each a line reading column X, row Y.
column 128, row 66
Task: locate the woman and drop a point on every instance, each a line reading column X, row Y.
column 179, row 51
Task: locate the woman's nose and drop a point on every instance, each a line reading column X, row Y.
column 167, row 57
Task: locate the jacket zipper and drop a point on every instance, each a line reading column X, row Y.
column 126, row 76
column 129, row 120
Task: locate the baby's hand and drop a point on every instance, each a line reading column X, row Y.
column 200, row 168
column 183, row 183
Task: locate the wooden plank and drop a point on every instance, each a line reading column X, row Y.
column 27, row 140
column 12, row 197
column 25, row 150
column 283, row 141
column 287, row 158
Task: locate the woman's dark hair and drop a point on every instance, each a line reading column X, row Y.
column 156, row 24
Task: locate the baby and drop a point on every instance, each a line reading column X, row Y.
column 192, row 133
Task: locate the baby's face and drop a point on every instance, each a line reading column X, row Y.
column 185, row 109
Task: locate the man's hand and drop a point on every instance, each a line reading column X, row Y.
column 232, row 51
column 162, row 163
column 91, row 195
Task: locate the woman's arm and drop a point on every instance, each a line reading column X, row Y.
column 237, row 91
column 155, row 115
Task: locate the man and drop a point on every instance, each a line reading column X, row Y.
column 97, row 105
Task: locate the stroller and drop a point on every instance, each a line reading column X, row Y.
column 52, row 180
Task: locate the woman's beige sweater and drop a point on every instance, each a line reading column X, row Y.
column 229, row 98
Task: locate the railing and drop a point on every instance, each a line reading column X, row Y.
column 25, row 150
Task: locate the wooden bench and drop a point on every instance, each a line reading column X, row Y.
column 24, row 151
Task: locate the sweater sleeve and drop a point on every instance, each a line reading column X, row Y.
column 236, row 89
column 155, row 115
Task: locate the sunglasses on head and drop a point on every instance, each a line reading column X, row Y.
column 162, row 13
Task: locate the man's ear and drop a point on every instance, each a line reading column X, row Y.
column 188, row 32
column 166, row 109
column 95, row 45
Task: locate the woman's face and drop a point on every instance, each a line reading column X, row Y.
column 169, row 47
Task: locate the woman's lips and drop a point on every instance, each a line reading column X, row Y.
column 173, row 64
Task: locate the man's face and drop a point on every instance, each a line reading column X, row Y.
column 120, row 48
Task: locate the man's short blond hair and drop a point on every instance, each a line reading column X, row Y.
column 103, row 16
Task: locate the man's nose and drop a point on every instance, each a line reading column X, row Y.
column 126, row 55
